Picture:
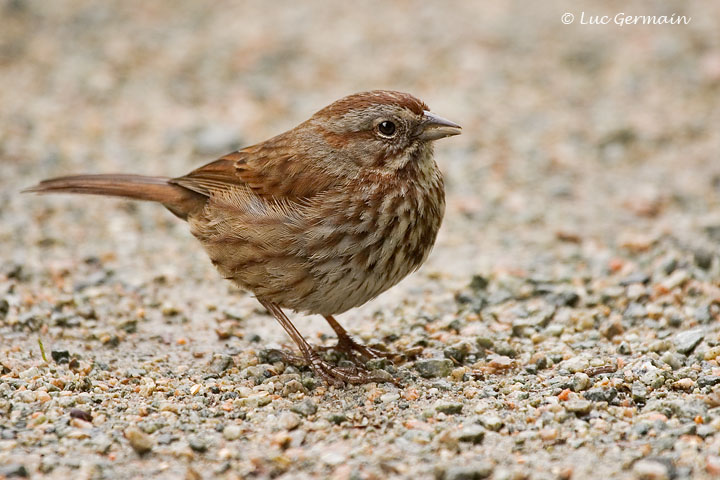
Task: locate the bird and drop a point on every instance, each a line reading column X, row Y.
column 319, row 219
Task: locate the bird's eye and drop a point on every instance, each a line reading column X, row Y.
column 386, row 128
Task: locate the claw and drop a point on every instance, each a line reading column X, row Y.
column 338, row 376
column 354, row 349
column 332, row 374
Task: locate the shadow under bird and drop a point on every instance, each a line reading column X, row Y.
column 319, row 219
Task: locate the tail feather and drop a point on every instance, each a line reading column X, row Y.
column 177, row 199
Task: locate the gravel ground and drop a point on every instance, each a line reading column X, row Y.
column 565, row 326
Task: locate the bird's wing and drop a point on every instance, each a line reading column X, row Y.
column 271, row 170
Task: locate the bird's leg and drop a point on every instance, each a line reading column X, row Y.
column 331, row 374
column 347, row 344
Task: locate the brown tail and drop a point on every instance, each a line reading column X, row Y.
column 177, row 199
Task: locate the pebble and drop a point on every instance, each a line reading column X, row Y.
column 26, row 396
column 457, row 352
column 166, row 439
column 505, row 349
column 337, row 418
column 601, row 394
column 582, row 407
column 676, row 279
column 650, row 470
column 668, row 265
column 434, row 367
column 478, row 282
column 66, row 402
column 659, row 346
column 712, row 465
column 293, row 386
column 390, row 397
column 13, row 470
column 671, row 359
column 565, row 298
column 575, row 364
column 636, row 291
column 255, row 400
column 555, row 330
column 333, row 457
column 635, row 311
column 581, row 381
column 474, row 471
column 612, row 328
column 472, row 434
column 4, row 308
column 258, row 373
column 289, row 420
column 708, row 380
column 30, row 373
column 491, row 422
column 639, row 393
column 653, row 379
column 199, row 443
column 548, row 434
column 60, row 356
column 141, row 442
column 685, row 342
column 449, row 408
column 232, row 432
column 306, row 407
column 637, row 277
column 81, row 414
column 43, row 396
column 219, row 363
column 703, row 314
column 684, row 384
column 102, row 443
column 499, row 362
column 377, row 363
column 703, row 258
column 704, row 431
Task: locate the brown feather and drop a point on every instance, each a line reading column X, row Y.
column 369, row 99
column 180, row 201
column 217, row 175
column 272, row 170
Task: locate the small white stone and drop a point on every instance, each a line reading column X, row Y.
column 26, row 396
column 232, row 432
column 31, row 372
column 333, row 458
column 389, row 397
column 575, row 364
column 289, row 420
column 650, row 470
column 677, row 278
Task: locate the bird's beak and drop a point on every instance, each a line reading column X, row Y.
column 434, row 127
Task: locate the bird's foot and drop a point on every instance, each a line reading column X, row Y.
column 336, row 375
column 353, row 349
column 355, row 374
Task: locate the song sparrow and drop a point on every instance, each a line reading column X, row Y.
column 319, row 219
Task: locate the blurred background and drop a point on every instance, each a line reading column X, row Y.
column 587, row 132
column 587, row 151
